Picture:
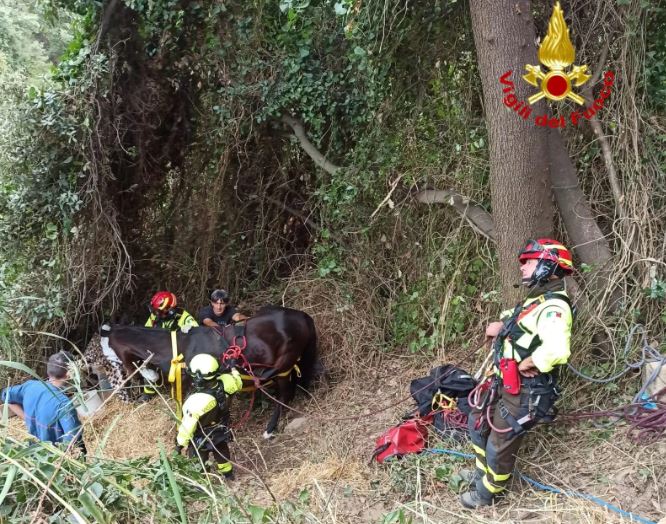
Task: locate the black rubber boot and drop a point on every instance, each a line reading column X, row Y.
column 472, row 500
column 470, row 476
column 149, row 393
column 146, row 397
column 229, row 475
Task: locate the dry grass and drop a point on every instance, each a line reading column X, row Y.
column 325, row 462
column 328, row 458
column 123, row 431
column 15, row 428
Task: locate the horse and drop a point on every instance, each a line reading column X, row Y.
column 280, row 342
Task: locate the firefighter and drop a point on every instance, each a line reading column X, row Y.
column 530, row 343
column 164, row 314
column 204, row 427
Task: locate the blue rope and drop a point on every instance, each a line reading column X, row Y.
column 451, row 452
column 544, row 487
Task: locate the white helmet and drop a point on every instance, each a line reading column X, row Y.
column 205, row 365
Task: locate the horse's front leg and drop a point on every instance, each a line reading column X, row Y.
column 151, row 380
column 285, row 394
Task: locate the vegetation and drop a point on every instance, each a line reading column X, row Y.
column 277, row 149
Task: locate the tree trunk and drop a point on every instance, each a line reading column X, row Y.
column 590, row 244
column 520, row 191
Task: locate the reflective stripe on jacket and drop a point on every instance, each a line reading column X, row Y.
column 543, row 332
column 195, row 407
column 182, row 319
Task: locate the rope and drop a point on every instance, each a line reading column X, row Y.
column 486, row 406
column 645, row 424
column 356, row 417
column 647, row 352
column 585, row 496
column 544, row 487
column 350, row 417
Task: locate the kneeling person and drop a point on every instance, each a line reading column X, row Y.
column 205, row 424
column 47, row 411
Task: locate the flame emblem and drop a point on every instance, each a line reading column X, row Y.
column 557, row 53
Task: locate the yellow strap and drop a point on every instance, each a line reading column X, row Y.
column 176, row 375
column 251, row 387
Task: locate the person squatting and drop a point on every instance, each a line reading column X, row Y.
column 531, row 342
column 204, row 427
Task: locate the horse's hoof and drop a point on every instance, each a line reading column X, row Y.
column 268, row 436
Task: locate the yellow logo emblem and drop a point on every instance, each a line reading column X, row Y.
column 556, row 53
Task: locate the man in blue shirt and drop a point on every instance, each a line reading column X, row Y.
column 48, row 413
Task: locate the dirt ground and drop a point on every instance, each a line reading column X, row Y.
column 325, row 460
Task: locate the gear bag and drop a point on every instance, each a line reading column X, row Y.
column 446, row 380
column 409, row 436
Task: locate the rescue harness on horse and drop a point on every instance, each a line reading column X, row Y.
column 234, row 355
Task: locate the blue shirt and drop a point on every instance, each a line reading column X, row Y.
column 49, row 414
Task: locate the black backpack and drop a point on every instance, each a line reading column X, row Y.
column 448, row 380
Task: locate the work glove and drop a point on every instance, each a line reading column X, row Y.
column 185, row 329
column 232, row 382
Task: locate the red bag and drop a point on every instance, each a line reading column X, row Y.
column 408, row 437
column 510, row 375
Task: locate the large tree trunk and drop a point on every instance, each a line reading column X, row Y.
column 520, row 192
column 590, row 244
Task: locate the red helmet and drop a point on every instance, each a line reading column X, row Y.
column 553, row 257
column 162, row 302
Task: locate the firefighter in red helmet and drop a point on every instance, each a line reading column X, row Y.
column 165, row 314
column 531, row 341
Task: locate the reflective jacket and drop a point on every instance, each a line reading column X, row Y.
column 180, row 319
column 542, row 331
column 204, row 402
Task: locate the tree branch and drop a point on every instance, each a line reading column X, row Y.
column 480, row 220
column 308, row 146
column 603, row 139
column 477, row 217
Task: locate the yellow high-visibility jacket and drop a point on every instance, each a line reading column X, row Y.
column 544, row 332
column 182, row 318
column 200, row 403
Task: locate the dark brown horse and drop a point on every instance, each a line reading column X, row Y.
column 278, row 339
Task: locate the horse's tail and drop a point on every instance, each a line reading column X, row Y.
column 309, row 362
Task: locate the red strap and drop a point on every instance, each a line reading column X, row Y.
column 527, row 310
